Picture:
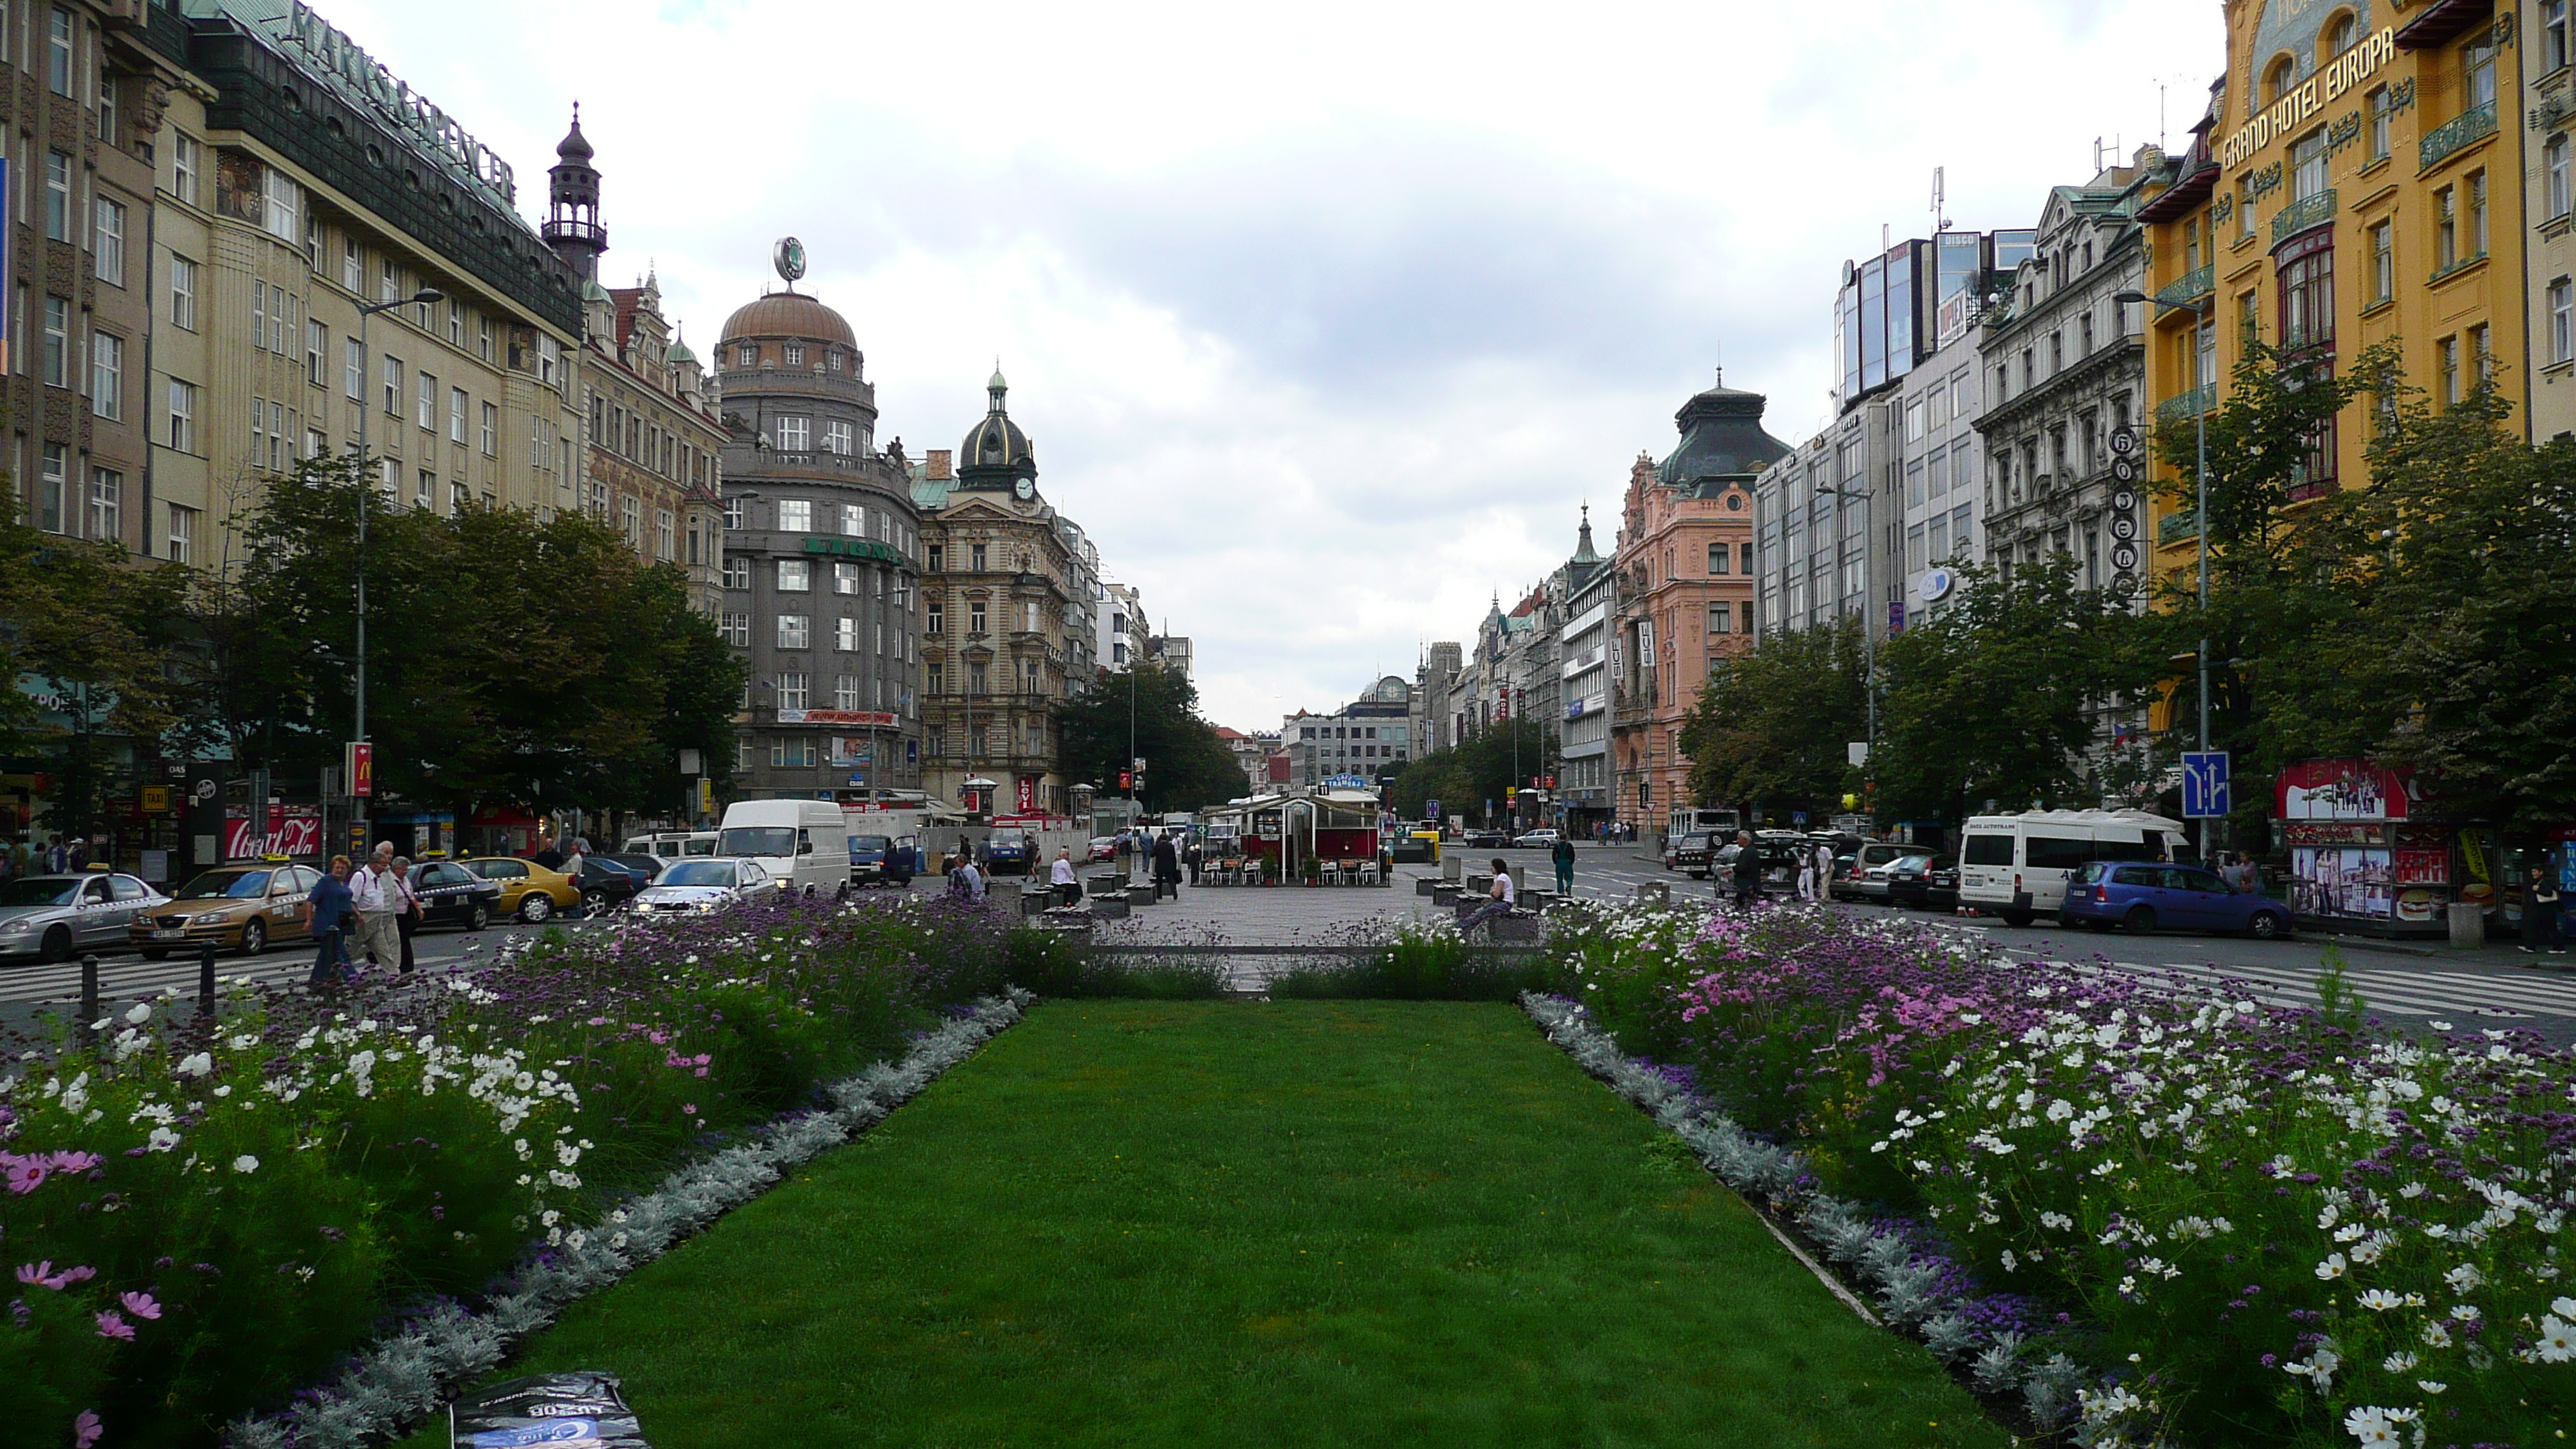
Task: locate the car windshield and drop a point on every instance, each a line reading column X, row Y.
column 757, row 840
column 877, row 843
column 237, row 884
column 39, row 891
column 698, row 873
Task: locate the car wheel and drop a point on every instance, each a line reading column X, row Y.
column 254, row 938
column 2018, row 918
column 477, row 916
column 2139, row 921
column 56, row 946
column 2266, row 926
column 153, row 953
column 535, row 906
column 594, row 903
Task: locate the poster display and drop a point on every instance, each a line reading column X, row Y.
column 289, row 830
column 2340, row 819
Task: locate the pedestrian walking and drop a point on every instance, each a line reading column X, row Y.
column 1167, row 868
column 1197, row 849
column 1806, row 875
column 2540, row 914
column 1068, row 891
column 329, row 901
column 1563, row 854
column 376, row 903
column 407, row 906
column 1825, row 871
column 1748, row 871
column 77, row 858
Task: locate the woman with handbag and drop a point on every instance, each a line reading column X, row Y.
column 407, row 907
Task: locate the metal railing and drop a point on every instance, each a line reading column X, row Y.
column 2304, row 214
column 2187, row 405
column 2190, row 288
column 2468, row 127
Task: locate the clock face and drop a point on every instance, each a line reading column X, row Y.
column 1026, row 489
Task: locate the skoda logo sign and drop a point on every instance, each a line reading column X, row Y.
column 789, row 258
column 1936, row 586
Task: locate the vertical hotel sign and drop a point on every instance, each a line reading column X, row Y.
column 6, row 231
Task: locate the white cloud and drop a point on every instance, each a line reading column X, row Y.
column 1324, row 319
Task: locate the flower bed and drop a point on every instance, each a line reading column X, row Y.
column 201, row 1220
column 2235, row 1224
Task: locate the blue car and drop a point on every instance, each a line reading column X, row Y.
column 2145, row 896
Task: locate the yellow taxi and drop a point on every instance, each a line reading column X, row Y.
column 249, row 905
column 528, row 890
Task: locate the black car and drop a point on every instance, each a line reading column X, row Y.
column 451, row 895
column 1924, row 883
column 607, row 885
column 1689, row 853
column 879, row 860
column 643, row 867
column 1487, row 840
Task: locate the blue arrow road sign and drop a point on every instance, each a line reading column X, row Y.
column 2204, row 784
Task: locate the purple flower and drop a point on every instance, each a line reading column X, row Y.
column 141, row 1305
column 86, row 1429
column 112, row 1324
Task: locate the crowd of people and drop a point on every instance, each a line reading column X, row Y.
column 370, row 910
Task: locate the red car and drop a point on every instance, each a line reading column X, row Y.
column 1104, row 847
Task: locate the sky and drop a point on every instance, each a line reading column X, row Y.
column 1325, row 321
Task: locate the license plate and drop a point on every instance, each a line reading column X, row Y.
column 168, row 934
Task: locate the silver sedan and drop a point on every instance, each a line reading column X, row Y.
column 50, row 917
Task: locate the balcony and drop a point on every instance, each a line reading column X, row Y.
column 2176, row 527
column 2306, row 214
column 2190, row 289
column 2460, row 132
column 2192, row 404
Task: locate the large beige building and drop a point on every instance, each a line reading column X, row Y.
column 294, row 186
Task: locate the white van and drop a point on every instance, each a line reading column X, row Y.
column 803, row 844
column 2016, row 866
column 673, row 844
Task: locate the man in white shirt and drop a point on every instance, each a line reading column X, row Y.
column 378, row 901
column 1068, row 891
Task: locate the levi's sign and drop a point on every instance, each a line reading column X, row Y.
column 2305, row 99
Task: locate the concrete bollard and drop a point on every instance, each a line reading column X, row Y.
column 206, row 979
column 2468, row 921
column 89, row 993
column 1451, row 865
column 1426, row 886
column 1445, row 895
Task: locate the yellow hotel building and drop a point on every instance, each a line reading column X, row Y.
column 2358, row 179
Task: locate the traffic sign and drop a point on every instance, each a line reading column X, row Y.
column 1430, row 809
column 2204, row 784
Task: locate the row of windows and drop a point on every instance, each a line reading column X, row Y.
column 796, row 434
column 792, row 354
column 795, row 631
column 638, row 438
column 797, row 575
column 793, row 689
column 805, row 751
column 978, row 677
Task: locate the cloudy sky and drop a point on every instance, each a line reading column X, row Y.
column 1324, row 320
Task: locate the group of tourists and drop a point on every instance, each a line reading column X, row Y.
column 371, row 910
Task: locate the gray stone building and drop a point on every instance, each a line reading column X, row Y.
column 821, row 567
column 2063, row 367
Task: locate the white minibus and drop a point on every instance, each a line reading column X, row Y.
column 2016, row 866
column 803, row 844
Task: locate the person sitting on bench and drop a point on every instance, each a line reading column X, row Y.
column 1506, row 895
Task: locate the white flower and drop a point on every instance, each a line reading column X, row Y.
column 161, row 1140
column 140, row 1014
column 245, row 1163
column 2372, row 1426
column 2464, row 1278
column 2435, row 1335
column 2398, row 1362
column 2381, row 1300
column 2557, row 1339
column 2332, row 1268
column 196, row 1065
column 2430, row 1386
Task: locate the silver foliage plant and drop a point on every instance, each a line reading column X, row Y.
column 1880, row 1261
column 396, row 1385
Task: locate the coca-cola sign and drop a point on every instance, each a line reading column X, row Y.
column 291, row 830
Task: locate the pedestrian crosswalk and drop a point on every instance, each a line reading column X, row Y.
column 2385, row 990
column 124, row 980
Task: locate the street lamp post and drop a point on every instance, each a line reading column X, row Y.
column 426, row 296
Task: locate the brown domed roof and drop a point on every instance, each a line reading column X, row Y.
column 790, row 314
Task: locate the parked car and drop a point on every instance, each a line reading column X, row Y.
column 876, row 860
column 2149, row 897
column 643, row 867
column 1924, row 883
column 248, row 906
column 451, row 895
column 1487, row 840
column 706, row 884
column 49, row 917
column 1103, row 847
column 1690, row 853
column 1008, row 855
column 1853, row 880
column 1536, row 840
column 607, row 883
column 528, row 890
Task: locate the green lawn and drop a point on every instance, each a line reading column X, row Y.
column 1222, row 1224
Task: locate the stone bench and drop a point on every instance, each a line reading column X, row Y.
column 1140, row 895
column 1110, row 908
column 1444, row 895
column 1426, row 887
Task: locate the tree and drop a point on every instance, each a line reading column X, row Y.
column 97, row 633
column 1186, row 765
column 1997, row 697
column 1773, row 724
column 1482, row 767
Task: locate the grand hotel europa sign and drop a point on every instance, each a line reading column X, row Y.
column 2304, row 100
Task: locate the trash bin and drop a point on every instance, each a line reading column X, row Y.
column 2468, row 924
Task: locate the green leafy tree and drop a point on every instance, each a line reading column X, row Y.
column 1483, row 767
column 1773, row 725
column 1997, row 697
column 1186, row 766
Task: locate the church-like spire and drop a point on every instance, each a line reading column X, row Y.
column 1583, row 551
column 572, row 204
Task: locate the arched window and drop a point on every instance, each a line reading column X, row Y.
column 2277, row 77
column 2338, row 36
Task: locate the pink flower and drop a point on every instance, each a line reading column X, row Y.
column 26, row 1174
column 112, row 1324
column 32, row 1273
column 86, row 1429
column 75, row 1161
column 141, row 1305
column 42, row 1275
column 689, row 1107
